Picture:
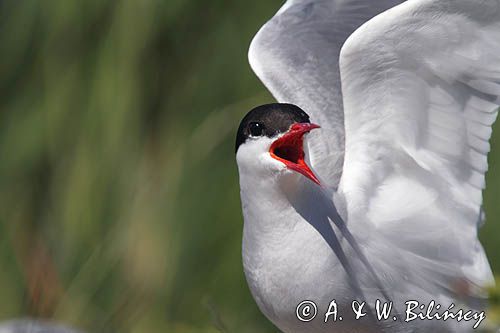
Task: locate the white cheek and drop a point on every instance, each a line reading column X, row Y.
column 254, row 157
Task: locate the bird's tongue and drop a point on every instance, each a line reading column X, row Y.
column 288, row 149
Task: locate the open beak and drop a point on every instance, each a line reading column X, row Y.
column 289, row 149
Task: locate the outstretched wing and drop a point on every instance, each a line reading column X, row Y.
column 296, row 56
column 421, row 87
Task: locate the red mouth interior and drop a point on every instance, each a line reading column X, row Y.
column 289, row 150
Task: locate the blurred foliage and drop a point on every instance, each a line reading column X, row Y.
column 119, row 205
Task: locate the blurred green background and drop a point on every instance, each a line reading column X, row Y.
column 119, row 196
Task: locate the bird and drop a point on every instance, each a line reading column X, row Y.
column 362, row 184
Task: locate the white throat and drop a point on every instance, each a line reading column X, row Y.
column 281, row 249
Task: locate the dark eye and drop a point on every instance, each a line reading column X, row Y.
column 256, row 129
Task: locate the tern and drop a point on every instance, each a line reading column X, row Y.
column 364, row 182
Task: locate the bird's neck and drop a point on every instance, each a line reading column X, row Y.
column 268, row 203
column 287, row 228
column 282, row 211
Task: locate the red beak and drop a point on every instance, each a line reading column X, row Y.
column 289, row 149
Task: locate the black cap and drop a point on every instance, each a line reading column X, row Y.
column 269, row 120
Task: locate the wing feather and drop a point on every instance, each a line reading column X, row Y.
column 421, row 91
column 296, row 56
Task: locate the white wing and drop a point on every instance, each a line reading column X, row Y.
column 296, row 56
column 421, row 90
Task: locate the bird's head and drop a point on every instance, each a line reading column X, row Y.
column 270, row 140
